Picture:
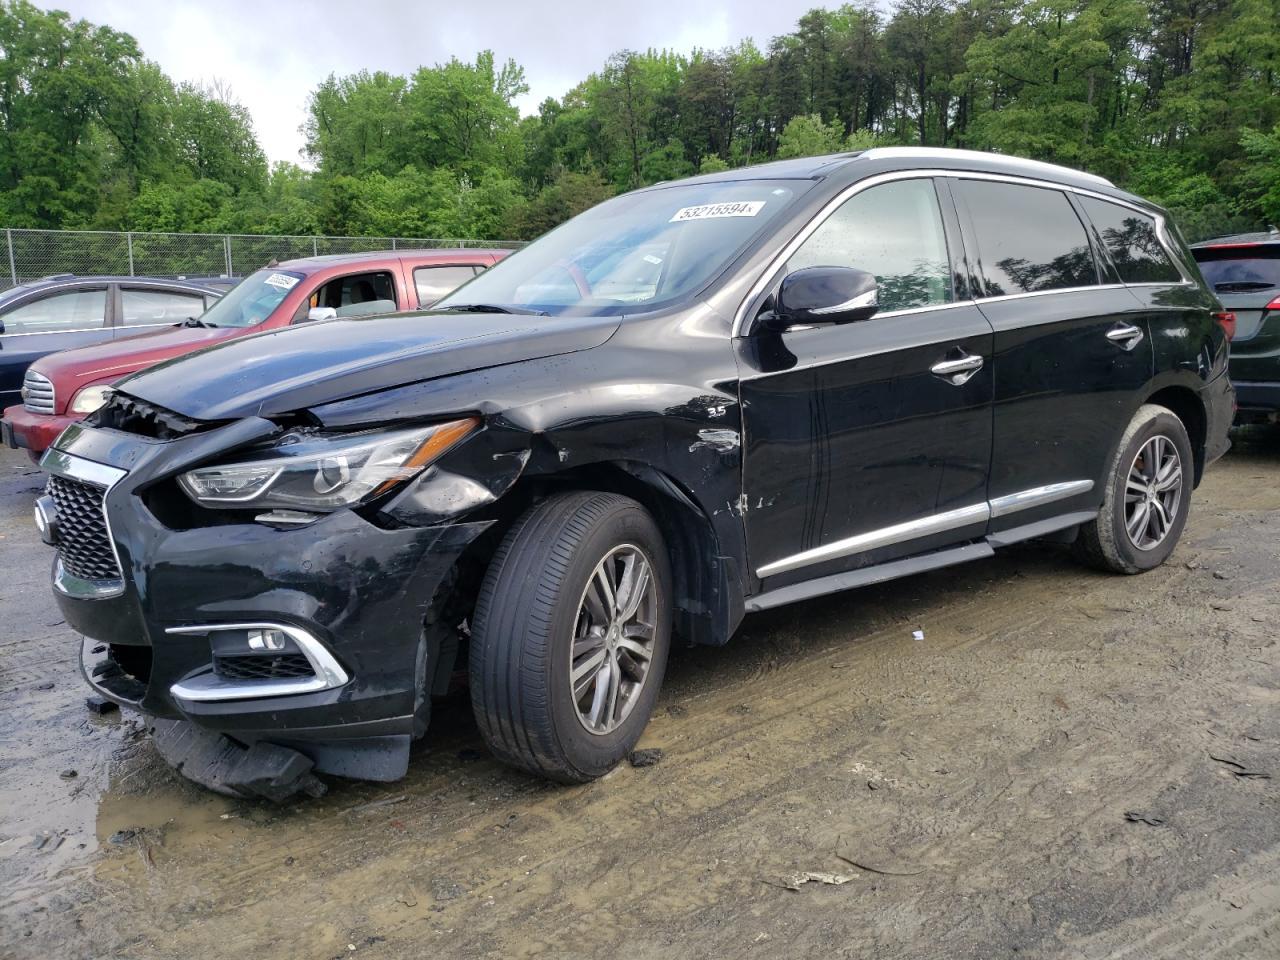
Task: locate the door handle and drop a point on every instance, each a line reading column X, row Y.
column 1125, row 336
column 959, row 371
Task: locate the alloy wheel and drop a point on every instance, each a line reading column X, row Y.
column 613, row 639
column 1153, row 491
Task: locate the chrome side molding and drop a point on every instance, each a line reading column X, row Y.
column 928, row 526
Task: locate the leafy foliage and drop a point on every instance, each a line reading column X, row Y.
column 1178, row 100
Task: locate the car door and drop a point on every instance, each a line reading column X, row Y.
column 45, row 323
column 433, row 282
column 357, row 294
column 140, row 307
column 1071, row 349
column 870, row 440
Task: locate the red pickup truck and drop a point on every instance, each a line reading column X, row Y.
column 64, row 387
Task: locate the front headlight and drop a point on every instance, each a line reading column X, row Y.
column 324, row 471
column 90, row 399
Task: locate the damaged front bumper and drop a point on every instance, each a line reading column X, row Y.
column 309, row 638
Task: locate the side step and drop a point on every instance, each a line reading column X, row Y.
column 918, row 564
column 865, row 577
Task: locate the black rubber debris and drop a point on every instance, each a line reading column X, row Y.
column 645, row 758
column 1134, row 816
column 99, row 706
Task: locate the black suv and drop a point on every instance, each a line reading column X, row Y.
column 694, row 401
column 1244, row 271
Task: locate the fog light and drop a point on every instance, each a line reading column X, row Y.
column 267, row 640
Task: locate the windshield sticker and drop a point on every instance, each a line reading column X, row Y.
column 710, row 211
column 650, row 258
column 283, row 281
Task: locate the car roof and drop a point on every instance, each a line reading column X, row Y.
column 848, row 163
column 425, row 253
column 1262, row 238
column 200, row 284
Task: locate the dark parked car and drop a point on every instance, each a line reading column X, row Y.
column 65, row 387
column 694, row 401
column 1244, row 271
column 65, row 311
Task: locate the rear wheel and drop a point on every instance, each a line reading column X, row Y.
column 1148, row 495
column 570, row 636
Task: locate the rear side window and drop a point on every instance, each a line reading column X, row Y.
column 1240, row 269
column 145, row 307
column 1131, row 240
column 59, row 313
column 893, row 231
column 434, row 283
column 1029, row 238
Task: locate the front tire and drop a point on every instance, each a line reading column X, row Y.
column 570, row 636
column 1148, row 496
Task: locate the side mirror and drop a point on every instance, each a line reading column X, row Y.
column 322, row 313
column 825, row 295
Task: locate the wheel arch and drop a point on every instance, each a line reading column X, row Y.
column 708, row 602
column 1189, row 408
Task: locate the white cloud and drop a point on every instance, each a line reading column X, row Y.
column 272, row 55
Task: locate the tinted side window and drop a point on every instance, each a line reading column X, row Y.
column 1132, row 241
column 433, row 283
column 143, row 307
column 893, row 231
column 1029, row 238
column 62, row 312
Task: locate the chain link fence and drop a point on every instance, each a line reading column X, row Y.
column 32, row 254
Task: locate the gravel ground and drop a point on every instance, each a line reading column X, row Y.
column 1067, row 765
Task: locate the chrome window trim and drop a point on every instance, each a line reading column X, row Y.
column 927, row 526
column 766, row 275
column 208, row 688
column 1000, row 298
column 68, row 465
column 49, row 333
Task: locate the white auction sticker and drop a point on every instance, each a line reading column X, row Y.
column 282, row 280
column 709, row 211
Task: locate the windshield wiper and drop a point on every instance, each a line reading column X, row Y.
column 490, row 308
column 195, row 322
column 1240, row 286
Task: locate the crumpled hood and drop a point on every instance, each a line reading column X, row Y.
column 312, row 363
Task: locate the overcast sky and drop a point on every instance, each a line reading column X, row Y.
column 272, row 54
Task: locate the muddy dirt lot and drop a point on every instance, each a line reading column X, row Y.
column 1067, row 765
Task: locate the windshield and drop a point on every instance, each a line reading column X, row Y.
column 252, row 300
column 633, row 253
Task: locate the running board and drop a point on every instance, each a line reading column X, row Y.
column 867, row 576
column 909, row 565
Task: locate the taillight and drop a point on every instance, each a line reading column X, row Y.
column 1227, row 321
column 1273, row 305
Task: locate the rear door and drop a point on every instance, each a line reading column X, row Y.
column 1072, row 348
column 861, row 446
column 139, row 307
column 45, row 323
column 433, row 282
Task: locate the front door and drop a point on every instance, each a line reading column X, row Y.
column 41, row 325
column 870, row 440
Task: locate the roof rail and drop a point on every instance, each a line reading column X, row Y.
column 940, row 153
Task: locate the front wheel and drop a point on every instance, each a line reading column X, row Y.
column 1148, row 495
column 570, row 636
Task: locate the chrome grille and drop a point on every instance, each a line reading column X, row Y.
column 84, row 543
column 37, row 392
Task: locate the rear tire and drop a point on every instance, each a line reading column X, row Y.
column 541, row 634
column 1147, row 498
